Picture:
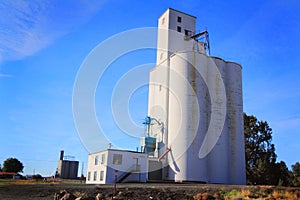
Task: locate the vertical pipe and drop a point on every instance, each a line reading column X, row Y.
column 61, row 155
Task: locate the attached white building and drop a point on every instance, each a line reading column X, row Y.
column 129, row 166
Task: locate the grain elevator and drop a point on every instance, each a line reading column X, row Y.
column 195, row 107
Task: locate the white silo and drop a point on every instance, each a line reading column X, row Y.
column 198, row 100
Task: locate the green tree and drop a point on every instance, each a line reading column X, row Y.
column 37, row 177
column 296, row 174
column 12, row 165
column 260, row 152
column 296, row 169
column 280, row 175
column 261, row 166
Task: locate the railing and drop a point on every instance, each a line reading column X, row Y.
column 165, row 153
column 132, row 169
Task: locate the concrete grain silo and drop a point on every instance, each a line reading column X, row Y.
column 67, row 168
column 197, row 100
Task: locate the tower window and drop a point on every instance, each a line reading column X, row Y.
column 187, row 32
column 163, row 21
column 178, row 29
column 179, row 19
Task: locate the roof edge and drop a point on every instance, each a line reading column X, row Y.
column 119, row 150
column 176, row 11
column 232, row 62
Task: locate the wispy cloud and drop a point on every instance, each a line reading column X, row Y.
column 287, row 126
column 28, row 26
column 5, row 75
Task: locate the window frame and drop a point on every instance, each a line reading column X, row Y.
column 187, row 32
column 96, row 161
column 102, row 159
column 95, row 176
column 89, row 176
column 179, row 19
column 117, row 159
column 179, row 29
column 101, row 175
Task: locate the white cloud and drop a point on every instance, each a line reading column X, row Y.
column 28, row 26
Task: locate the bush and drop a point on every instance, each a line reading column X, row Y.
column 37, row 177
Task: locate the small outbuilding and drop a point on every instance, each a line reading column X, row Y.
column 108, row 166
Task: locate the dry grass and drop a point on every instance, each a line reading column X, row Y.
column 292, row 194
column 262, row 193
column 207, row 196
column 198, row 196
column 245, row 193
column 80, row 194
column 17, row 182
column 217, row 195
column 279, row 194
column 31, row 182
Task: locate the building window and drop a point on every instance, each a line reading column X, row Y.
column 102, row 159
column 89, row 176
column 96, row 160
column 179, row 19
column 95, row 176
column 163, row 21
column 117, row 159
column 159, row 87
column 101, row 175
column 178, row 29
column 187, row 32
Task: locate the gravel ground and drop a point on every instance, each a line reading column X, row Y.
column 134, row 191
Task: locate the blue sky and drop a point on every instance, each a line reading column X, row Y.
column 43, row 44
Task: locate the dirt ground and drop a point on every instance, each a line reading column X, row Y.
column 148, row 191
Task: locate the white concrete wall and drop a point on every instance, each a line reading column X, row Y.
column 92, row 167
column 169, row 41
column 168, row 34
column 128, row 160
column 182, row 124
column 158, row 85
column 226, row 162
